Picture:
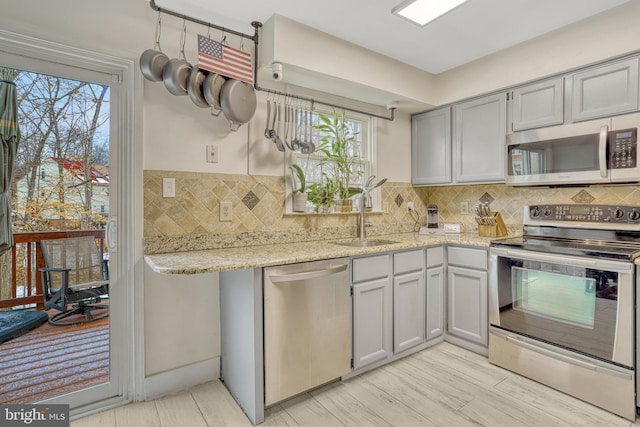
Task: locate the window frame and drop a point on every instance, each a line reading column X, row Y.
column 47, row 57
column 368, row 154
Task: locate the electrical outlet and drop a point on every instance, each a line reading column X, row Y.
column 212, row 154
column 168, row 187
column 464, row 208
column 410, row 206
column 226, row 211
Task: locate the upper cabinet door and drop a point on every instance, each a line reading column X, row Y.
column 431, row 147
column 605, row 91
column 479, row 139
column 537, row 105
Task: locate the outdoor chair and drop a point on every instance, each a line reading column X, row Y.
column 75, row 280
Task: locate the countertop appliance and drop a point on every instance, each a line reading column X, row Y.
column 593, row 152
column 432, row 216
column 561, row 301
column 307, row 326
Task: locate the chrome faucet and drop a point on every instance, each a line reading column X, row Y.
column 363, row 224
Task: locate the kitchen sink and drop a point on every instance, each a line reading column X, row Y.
column 365, row 243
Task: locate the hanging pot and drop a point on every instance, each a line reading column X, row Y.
column 211, row 90
column 195, row 87
column 152, row 61
column 238, row 102
column 175, row 75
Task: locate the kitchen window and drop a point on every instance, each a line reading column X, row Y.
column 363, row 147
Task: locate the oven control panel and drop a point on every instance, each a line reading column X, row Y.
column 584, row 213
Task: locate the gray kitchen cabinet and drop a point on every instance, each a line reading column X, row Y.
column 537, row 105
column 372, row 310
column 480, row 127
column 431, row 147
column 408, row 300
column 605, row 90
column 467, row 295
column 435, row 293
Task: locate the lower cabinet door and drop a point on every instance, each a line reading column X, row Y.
column 408, row 312
column 467, row 297
column 372, row 322
column 435, row 302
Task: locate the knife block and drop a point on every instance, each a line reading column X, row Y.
column 494, row 230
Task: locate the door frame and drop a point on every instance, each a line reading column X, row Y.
column 127, row 274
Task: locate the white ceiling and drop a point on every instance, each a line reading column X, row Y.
column 473, row 30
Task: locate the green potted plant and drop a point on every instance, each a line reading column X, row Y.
column 322, row 195
column 299, row 193
column 339, row 162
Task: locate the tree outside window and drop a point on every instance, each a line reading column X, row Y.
column 61, row 177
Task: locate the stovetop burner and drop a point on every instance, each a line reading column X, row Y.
column 582, row 230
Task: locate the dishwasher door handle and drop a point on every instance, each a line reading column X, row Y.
column 305, row 275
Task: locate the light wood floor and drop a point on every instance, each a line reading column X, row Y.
column 441, row 386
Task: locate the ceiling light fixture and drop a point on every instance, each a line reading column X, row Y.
column 422, row 12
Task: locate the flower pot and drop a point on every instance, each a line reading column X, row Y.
column 324, row 209
column 299, row 202
column 344, row 205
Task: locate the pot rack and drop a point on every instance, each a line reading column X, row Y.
column 255, row 38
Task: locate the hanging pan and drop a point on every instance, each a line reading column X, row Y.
column 211, row 89
column 175, row 74
column 152, row 61
column 238, row 102
column 195, row 87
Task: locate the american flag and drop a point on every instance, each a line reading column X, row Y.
column 225, row 60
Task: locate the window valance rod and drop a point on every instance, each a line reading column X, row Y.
column 255, row 38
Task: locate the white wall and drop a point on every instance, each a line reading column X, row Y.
column 606, row 35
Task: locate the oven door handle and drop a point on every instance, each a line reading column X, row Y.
column 595, row 263
column 560, row 356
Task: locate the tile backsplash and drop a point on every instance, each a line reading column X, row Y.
column 191, row 220
column 509, row 201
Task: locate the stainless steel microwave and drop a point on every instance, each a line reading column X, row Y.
column 594, row 152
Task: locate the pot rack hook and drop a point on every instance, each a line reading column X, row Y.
column 158, row 31
column 183, row 39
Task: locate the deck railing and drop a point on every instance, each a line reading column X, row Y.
column 26, row 260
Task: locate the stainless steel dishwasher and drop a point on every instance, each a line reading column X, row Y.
column 307, row 326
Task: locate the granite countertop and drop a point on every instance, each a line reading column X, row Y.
column 216, row 260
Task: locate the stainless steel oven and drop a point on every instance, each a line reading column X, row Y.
column 562, row 301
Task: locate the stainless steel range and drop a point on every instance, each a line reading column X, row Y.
column 561, row 302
